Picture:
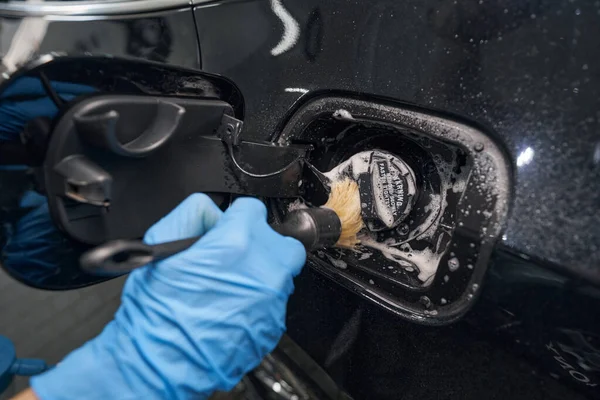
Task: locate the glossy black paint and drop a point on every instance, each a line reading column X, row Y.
column 508, row 347
column 166, row 36
column 528, row 71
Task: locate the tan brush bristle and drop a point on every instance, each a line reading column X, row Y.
column 344, row 199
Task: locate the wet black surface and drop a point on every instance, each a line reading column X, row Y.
column 528, row 71
column 167, row 36
column 374, row 357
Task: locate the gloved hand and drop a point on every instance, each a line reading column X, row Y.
column 193, row 323
column 26, row 99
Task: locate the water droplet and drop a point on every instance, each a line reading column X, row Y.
column 585, row 67
column 575, row 90
column 426, row 301
column 453, row 264
column 446, row 278
column 472, row 245
column 475, row 287
column 443, row 301
column 371, row 281
column 578, row 12
column 478, row 147
column 403, row 229
column 469, row 297
column 533, row 16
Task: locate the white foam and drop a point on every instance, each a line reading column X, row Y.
column 436, row 206
column 297, row 204
column 426, row 261
column 453, row 264
column 352, row 167
column 343, row 115
column 341, row 264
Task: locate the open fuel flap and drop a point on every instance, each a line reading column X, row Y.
column 142, row 138
column 435, row 194
column 97, row 148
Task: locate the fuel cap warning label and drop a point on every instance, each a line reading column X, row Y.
column 387, row 190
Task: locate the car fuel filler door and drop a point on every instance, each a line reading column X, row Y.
column 108, row 146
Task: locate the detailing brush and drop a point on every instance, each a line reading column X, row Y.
column 344, row 199
column 335, row 224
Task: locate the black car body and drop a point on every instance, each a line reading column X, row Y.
column 526, row 74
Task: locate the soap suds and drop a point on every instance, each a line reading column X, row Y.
column 491, row 162
column 341, row 264
column 453, row 264
column 425, row 261
column 342, row 114
column 297, row 204
column 352, row 167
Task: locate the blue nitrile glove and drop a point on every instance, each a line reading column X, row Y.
column 196, row 322
column 34, row 247
column 26, row 99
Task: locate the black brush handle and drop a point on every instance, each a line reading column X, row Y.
column 122, row 256
column 313, row 227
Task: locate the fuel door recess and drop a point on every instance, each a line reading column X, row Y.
column 435, row 195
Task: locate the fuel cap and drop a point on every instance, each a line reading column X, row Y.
column 387, row 187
